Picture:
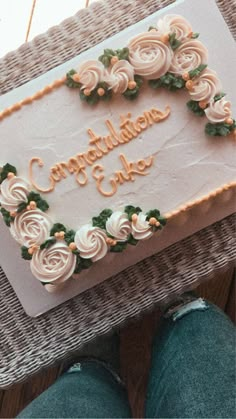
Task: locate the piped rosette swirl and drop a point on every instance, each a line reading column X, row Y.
column 89, row 75
column 141, row 228
column 120, row 77
column 91, row 242
column 176, row 24
column 219, row 111
column 118, row 226
column 205, row 87
column 188, row 56
column 13, row 191
column 149, row 56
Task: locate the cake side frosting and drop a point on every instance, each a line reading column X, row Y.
column 156, row 57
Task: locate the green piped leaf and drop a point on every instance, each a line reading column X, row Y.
column 122, row 54
column 219, row 96
column 132, row 94
column 21, row 207
column 40, row 202
column 195, row 35
column 195, row 108
column 131, row 240
column 101, row 220
column 6, row 217
column 162, row 220
column 152, row 213
column 119, row 247
column 69, row 79
column 174, row 43
column 7, row 168
column 105, row 58
column 197, row 71
column 69, row 237
column 82, row 264
column 56, row 228
column 25, row 254
column 168, row 81
column 221, row 129
column 130, row 210
column 48, row 243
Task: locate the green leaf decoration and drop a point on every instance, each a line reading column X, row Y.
column 195, row 108
column 197, row 71
column 132, row 94
column 131, row 240
column 130, row 210
column 40, row 202
column 122, row 54
column 101, row 220
column 219, row 96
column 119, row 247
column 168, row 81
column 221, row 129
column 69, row 237
column 153, row 213
column 92, row 99
column 174, row 43
column 6, row 217
column 82, row 264
column 162, row 220
column 7, row 168
column 105, row 58
column 195, row 35
column 25, row 254
column 48, row 243
column 56, row 228
column 69, row 80
column 21, row 207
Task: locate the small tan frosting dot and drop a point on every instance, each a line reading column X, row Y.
column 109, row 240
column 101, row 91
column 114, row 242
column 13, row 213
column 157, row 224
column 152, row 221
column 165, row 38
column 114, row 60
column 134, row 218
column 190, row 34
column 132, row 84
column 10, row 175
column 186, row 76
column 57, row 235
column 61, row 235
column 189, row 84
column 76, row 77
column 229, row 121
column 72, row 246
column 32, row 205
column 30, row 250
column 202, row 104
column 87, row 92
column 28, row 207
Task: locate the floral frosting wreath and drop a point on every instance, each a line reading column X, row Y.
column 56, row 252
column 168, row 56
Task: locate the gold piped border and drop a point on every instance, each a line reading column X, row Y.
column 28, row 100
column 190, row 205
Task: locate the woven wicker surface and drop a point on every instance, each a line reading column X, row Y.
column 26, row 344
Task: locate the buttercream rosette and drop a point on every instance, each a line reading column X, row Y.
column 218, row 111
column 141, row 229
column 149, row 56
column 53, row 265
column 175, row 24
column 91, row 242
column 118, row 226
column 188, row 57
column 90, row 74
column 13, row 192
column 31, row 228
column 119, row 75
column 206, row 86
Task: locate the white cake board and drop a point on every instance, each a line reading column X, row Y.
column 30, row 292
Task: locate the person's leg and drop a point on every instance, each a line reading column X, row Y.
column 89, row 389
column 192, row 373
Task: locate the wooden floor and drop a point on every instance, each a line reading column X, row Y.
column 135, row 353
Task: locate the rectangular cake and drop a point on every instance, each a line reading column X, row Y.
column 117, row 154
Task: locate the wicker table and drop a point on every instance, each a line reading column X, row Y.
column 26, row 344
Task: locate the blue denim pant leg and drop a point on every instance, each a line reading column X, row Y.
column 192, row 373
column 88, row 390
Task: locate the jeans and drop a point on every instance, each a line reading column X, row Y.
column 192, row 375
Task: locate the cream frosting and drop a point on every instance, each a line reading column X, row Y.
column 55, row 264
column 13, row 192
column 149, row 56
column 91, row 242
column 141, row 229
column 91, row 72
column 206, row 86
column 218, row 111
column 174, row 24
column 31, row 227
column 118, row 226
column 119, row 75
column 188, row 56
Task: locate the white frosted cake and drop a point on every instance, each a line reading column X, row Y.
column 102, row 163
